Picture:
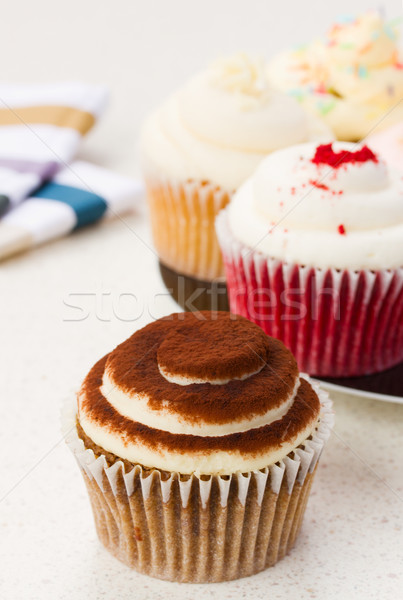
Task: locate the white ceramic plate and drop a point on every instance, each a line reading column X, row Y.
column 349, row 391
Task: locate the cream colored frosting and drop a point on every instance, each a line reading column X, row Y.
column 353, row 80
column 137, row 408
column 220, row 125
column 180, row 379
column 283, row 214
column 214, row 462
column 199, row 463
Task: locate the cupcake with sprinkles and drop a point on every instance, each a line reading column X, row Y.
column 313, row 251
column 198, row 441
column 353, row 80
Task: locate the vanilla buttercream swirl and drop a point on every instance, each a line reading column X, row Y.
column 348, row 216
column 240, row 74
column 245, row 422
column 220, row 125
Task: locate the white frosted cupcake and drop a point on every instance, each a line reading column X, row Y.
column 313, row 250
column 353, row 80
column 201, row 144
column 198, row 441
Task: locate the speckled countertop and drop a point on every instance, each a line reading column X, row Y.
column 65, row 305
column 57, row 320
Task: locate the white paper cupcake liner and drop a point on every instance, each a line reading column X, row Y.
column 200, row 528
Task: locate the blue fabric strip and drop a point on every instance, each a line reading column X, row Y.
column 89, row 207
column 4, row 204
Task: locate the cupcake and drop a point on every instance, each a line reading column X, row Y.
column 198, row 441
column 353, row 80
column 203, row 142
column 313, row 250
column 389, row 145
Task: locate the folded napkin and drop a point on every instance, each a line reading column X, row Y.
column 41, row 127
column 78, row 195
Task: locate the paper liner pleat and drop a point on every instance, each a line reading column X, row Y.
column 182, row 220
column 335, row 322
column 193, row 528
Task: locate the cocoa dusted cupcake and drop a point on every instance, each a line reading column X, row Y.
column 198, row 441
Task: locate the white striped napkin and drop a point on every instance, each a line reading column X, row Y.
column 41, row 127
column 78, row 195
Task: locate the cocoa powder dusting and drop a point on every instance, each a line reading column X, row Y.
column 304, row 410
column 219, row 347
column 134, row 368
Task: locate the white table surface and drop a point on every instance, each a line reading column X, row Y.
column 65, row 305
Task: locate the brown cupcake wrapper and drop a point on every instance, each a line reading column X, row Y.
column 182, row 218
column 200, row 529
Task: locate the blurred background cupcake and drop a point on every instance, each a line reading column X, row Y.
column 353, row 80
column 200, row 146
column 312, row 245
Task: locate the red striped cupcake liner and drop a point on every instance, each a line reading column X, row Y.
column 338, row 323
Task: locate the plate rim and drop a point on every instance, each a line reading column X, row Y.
column 359, row 393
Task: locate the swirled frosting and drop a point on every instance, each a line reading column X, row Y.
column 353, row 80
column 329, row 206
column 205, row 393
column 220, row 125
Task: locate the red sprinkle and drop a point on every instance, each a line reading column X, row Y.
column 318, row 184
column 321, row 89
column 326, row 155
column 341, row 229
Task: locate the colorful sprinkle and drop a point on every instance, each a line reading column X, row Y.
column 362, row 72
column 365, row 48
column 296, row 93
column 341, row 229
column 326, row 107
column 318, row 184
column 321, row 89
column 390, row 32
